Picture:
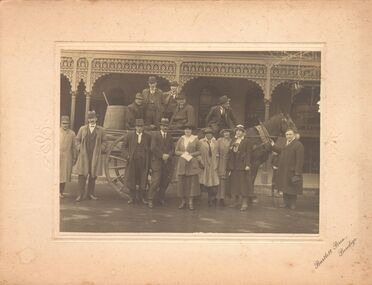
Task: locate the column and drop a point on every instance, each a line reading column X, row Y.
column 178, row 71
column 73, row 107
column 87, row 105
column 265, row 169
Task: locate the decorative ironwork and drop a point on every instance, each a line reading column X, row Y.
column 216, row 69
column 82, row 64
column 67, row 66
column 295, row 72
column 108, row 65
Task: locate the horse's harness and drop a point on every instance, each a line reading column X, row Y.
column 264, row 136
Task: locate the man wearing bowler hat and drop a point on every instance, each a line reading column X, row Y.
column 91, row 143
column 136, row 150
column 162, row 150
column 154, row 103
column 221, row 116
column 171, row 100
column 134, row 111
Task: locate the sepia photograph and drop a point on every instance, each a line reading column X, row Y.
column 189, row 141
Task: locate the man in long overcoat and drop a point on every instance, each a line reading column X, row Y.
column 67, row 153
column 154, row 101
column 162, row 151
column 221, row 116
column 290, row 166
column 136, row 150
column 91, row 144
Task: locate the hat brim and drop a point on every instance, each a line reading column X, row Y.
column 226, row 131
column 242, row 129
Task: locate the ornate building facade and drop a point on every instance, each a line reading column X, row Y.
column 260, row 84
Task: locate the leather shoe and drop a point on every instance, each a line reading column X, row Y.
column 130, row 201
column 191, row 206
column 79, row 199
column 150, row 204
column 244, row 207
column 144, row 201
column 182, row 205
column 92, row 197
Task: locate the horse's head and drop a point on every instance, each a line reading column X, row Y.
column 287, row 123
column 279, row 124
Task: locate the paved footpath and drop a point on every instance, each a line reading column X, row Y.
column 111, row 214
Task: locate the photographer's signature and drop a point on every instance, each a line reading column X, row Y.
column 339, row 247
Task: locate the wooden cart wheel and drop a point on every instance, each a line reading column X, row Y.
column 115, row 166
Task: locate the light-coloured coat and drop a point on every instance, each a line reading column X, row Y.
column 223, row 147
column 193, row 148
column 67, row 154
column 208, row 175
column 82, row 164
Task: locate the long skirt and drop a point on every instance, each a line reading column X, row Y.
column 240, row 183
column 188, row 186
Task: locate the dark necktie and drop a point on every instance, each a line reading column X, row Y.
column 209, row 149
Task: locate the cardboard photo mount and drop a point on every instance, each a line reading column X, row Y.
column 33, row 251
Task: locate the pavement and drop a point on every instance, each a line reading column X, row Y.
column 111, row 214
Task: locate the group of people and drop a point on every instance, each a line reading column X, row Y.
column 217, row 162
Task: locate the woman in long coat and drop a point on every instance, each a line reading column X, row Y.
column 188, row 149
column 290, row 166
column 208, row 177
column 239, row 163
column 67, row 153
column 223, row 147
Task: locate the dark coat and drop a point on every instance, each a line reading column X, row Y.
column 159, row 101
column 128, row 147
column 240, row 159
column 225, row 121
column 158, row 147
column 82, row 164
column 170, row 106
column 132, row 113
column 291, row 162
column 183, row 117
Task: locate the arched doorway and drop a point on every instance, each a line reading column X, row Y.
column 80, row 106
column 65, row 96
column 120, row 89
column 300, row 101
column 203, row 93
column 255, row 105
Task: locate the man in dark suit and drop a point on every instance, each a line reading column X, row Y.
column 136, row 150
column 221, row 116
column 134, row 111
column 162, row 150
column 171, row 100
column 154, row 103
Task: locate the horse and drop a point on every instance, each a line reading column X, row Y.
column 271, row 129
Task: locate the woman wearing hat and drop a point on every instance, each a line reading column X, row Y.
column 238, row 165
column 208, row 177
column 188, row 149
column 223, row 147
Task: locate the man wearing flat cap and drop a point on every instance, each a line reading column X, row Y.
column 67, row 153
column 184, row 114
column 91, row 144
column 136, row 150
column 162, row 151
column 134, row 111
column 221, row 116
column 154, row 102
column 171, row 100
